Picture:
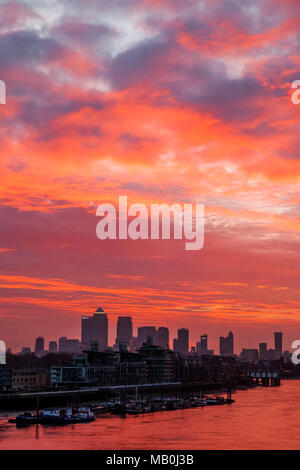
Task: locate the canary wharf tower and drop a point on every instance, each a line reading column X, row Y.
column 94, row 329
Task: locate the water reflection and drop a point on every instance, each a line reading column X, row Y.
column 262, row 418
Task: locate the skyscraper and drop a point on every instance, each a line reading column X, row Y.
column 144, row 332
column 68, row 345
column 263, row 351
column 226, row 345
column 39, row 345
column 124, row 331
column 278, row 344
column 163, row 337
column 202, row 345
column 95, row 328
column 52, row 347
column 181, row 344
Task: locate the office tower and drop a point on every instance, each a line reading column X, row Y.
column 163, row 337
column 95, row 328
column 226, row 345
column 263, row 351
column 181, row 344
column 68, row 345
column 52, row 347
column 39, row 345
column 124, row 331
column 202, row 345
column 145, row 332
column 278, row 345
column 249, row 355
column 183, row 340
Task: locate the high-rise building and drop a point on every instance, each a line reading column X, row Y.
column 39, row 345
column 201, row 346
column 226, row 345
column 124, row 331
column 163, row 337
column 68, row 345
column 95, row 328
column 263, row 351
column 52, row 347
column 181, row 344
column 146, row 332
column 249, row 355
column 278, row 344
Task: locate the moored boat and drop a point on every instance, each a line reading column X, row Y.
column 26, row 419
column 67, row 416
column 215, row 401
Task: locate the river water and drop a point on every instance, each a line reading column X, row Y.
column 260, row 418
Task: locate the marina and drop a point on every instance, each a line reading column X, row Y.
column 73, row 415
column 260, row 418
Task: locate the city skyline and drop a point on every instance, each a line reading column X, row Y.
column 127, row 335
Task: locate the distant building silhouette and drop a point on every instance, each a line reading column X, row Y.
column 271, row 355
column 201, row 346
column 249, row 355
column 124, row 332
column 39, row 345
column 263, row 351
column 181, row 343
column 278, row 344
column 226, row 345
column 95, row 328
column 52, row 347
column 68, row 345
column 163, row 337
column 145, row 332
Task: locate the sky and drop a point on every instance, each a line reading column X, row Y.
column 164, row 102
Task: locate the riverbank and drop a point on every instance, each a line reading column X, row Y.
column 180, row 394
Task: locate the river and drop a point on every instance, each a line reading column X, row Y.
column 260, row 418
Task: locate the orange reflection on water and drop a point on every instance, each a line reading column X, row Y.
column 261, row 418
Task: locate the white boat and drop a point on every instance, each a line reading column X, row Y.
column 67, row 415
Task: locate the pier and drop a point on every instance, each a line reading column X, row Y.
column 265, row 378
column 28, row 400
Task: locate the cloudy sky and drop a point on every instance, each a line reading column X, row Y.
column 162, row 101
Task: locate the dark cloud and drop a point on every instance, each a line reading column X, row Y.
column 27, row 47
column 139, row 63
